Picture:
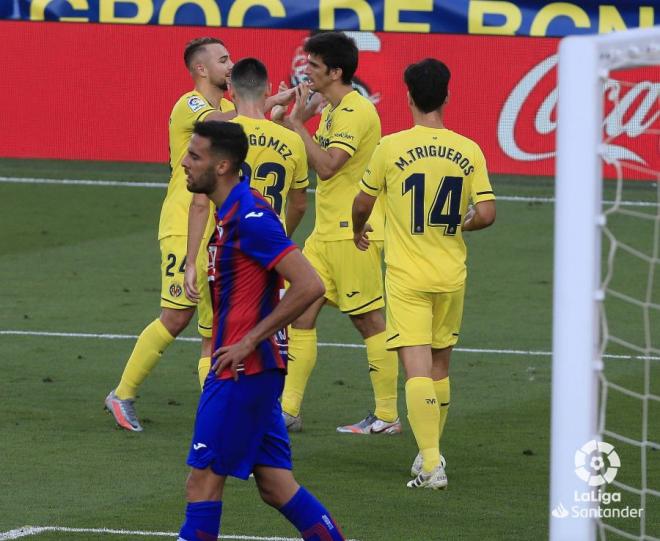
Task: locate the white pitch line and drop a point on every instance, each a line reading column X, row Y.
column 26, row 531
column 106, row 336
column 81, row 182
column 162, row 185
column 102, row 336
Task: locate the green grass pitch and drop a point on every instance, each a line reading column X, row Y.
column 85, row 259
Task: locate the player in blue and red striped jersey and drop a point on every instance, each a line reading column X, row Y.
column 239, row 427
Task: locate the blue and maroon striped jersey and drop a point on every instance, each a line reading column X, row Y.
column 247, row 243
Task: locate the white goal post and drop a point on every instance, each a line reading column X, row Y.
column 584, row 64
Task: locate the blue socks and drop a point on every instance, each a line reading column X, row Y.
column 304, row 511
column 313, row 520
column 202, row 522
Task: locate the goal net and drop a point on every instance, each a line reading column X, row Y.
column 605, row 459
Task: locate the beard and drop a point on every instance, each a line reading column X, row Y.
column 205, row 184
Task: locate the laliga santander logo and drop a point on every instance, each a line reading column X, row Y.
column 597, row 463
column 620, row 120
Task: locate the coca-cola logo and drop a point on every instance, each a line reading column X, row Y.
column 632, row 110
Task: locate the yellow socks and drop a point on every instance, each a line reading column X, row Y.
column 203, row 367
column 442, row 393
column 302, row 359
column 424, row 417
column 147, row 352
column 383, row 371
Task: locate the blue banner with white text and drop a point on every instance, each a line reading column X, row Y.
column 482, row 17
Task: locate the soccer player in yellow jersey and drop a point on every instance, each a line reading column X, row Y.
column 276, row 164
column 429, row 174
column 210, row 65
column 349, row 131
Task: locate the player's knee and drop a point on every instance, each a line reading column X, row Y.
column 194, row 492
column 203, row 486
column 370, row 323
column 270, row 494
column 175, row 321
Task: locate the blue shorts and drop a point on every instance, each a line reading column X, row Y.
column 239, row 425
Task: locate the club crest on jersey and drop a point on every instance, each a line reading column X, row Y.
column 196, row 103
column 175, row 290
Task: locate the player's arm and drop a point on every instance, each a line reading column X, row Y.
column 220, row 116
column 326, row 163
column 371, row 186
column 283, row 97
column 480, row 216
column 198, row 215
column 296, row 205
column 363, row 204
column 305, row 287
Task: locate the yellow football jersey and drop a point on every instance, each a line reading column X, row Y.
column 353, row 126
column 190, row 108
column 429, row 176
column 276, row 161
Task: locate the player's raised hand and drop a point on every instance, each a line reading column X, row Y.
column 361, row 239
column 231, row 356
column 190, row 283
column 277, row 114
column 315, row 104
column 297, row 115
column 285, row 95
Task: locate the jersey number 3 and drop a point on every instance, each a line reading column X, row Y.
column 448, row 195
column 272, row 193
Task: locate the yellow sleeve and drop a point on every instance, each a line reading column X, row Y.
column 226, row 105
column 481, row 188
column 346, row 130
column 194, row 108
column 300, row 174
column 373, row 180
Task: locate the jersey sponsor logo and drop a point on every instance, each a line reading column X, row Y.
column 344, row 135
column 198, row 446
column 254, row 214
column 175, row 290
column 347, row 109
column 352, row 294
column 196, row 103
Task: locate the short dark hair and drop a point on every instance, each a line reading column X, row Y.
column 249, row 77
column 195, row 45
column 428, row 83
column 227, row 140
column 336, row 50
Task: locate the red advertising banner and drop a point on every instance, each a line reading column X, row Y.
column 104, row 92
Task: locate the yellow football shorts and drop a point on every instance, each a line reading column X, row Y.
column 353, row 279
column 417, row 318
column 172, row 294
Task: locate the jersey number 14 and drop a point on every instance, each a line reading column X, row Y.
column 448, row 195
